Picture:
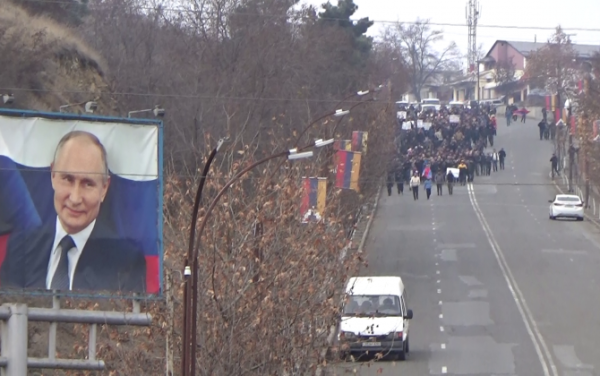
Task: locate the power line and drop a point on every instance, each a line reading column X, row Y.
column 186, row 96
column 264, row 15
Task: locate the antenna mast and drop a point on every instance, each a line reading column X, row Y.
column 473, row 12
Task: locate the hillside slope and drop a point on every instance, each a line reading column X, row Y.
column 45, row 65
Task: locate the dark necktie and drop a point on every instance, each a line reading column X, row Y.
column 60, row 281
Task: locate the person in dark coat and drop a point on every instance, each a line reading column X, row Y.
column 439, row 181
column 542, row 126
column 390, row 182
column 399, row 177
column 450, row 179
column 501, row 158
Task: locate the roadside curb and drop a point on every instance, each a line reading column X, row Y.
column 370, row 221
column 363, row 240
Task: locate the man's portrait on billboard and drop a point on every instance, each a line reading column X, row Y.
column 79, row 235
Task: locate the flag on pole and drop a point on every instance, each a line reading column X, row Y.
column 314, row 196
column 348, row 169
column 359, row 141
column 342, row 145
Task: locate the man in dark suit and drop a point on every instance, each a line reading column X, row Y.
column 77, row 252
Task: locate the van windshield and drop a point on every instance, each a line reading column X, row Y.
column 372, row 305
column 431, row 101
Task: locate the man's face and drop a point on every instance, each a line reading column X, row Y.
column 79, row 183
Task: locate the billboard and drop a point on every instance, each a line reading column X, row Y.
column 80, row 203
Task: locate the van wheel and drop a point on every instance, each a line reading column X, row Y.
column 407, row 349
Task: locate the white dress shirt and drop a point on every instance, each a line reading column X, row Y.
column 79, row 239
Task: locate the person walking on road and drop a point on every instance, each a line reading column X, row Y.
column 450, row 180
column 439, row 181
column 554, row 162
column 542, row 126
column 501, row 158
column 462, row 168
column 495, row 160
column 390, row 182
column 427, row 186
column 523, row 114
column 508, row 113
column 399, row 179
column 414, row 185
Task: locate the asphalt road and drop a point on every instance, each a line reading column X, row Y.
column 496, row 287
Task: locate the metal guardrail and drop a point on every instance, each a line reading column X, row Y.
column 14, row 319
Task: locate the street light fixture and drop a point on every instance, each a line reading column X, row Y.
column 89, row 106
column 8, row 98
column 190, row 308
column 320, row 143
column 157, row 111
column 295, row 156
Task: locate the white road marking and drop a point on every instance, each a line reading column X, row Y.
column 440, row 302
column 530, row 324
column 564, row 252
column 438, row 281
column 436, row 264
column 439, row 291
column 437, row 272
column 444, row 370
column 443, row 346
column 441, row 328
column 441, row 315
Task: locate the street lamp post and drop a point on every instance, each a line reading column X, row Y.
column 191, row 297
column 187, row 269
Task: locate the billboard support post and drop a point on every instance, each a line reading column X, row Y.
column 15, row 317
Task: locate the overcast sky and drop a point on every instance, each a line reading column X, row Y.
column 573, row 15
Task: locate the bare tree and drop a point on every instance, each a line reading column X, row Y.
column 554, row 68
column 504, row 75
column 417, row 43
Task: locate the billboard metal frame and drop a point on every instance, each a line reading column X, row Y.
column 104, row 119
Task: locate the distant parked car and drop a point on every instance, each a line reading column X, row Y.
column 432, row 101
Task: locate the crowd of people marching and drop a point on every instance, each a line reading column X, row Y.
column 443, row 148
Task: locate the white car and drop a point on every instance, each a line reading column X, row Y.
column 566, row 206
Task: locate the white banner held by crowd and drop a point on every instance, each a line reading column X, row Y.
column 406, row 126
column 455, row 172
column 419, row 123
column 427, row 125
column 454, row 119
column 401, row 115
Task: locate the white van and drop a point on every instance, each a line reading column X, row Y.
column 432, row 101
column 375, row 318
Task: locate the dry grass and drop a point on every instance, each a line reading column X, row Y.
column 47, row 64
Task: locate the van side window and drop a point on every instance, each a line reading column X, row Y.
column 403, row 305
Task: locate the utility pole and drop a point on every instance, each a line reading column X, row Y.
column 473, row 13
